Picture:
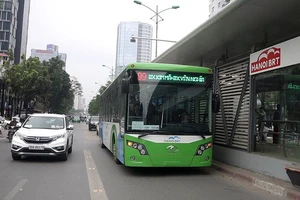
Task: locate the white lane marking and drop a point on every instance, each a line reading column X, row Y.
column 96, row 186
column 16, row 189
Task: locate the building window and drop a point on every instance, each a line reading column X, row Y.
column 219, row 4
column 3, row 15
column 6, row 26
column 2, row 35
column 7, row 34
column 4, row 46
column 9, row 16
column 212, row 10
column 8, row 5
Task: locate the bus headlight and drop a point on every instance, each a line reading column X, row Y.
column 143, row 152
column 202, row 148
column 140, row 147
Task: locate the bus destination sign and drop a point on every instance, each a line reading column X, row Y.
column 174, row 77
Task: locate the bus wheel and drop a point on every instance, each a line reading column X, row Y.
column 114, row 150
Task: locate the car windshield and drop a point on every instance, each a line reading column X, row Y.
column 181, row 109
column 76, row 118
column 44, row 122
column 94, row 119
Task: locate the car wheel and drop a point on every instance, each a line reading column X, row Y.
column 16, row 156
column 70, row 149
column 64, row 157
column 115, row 152
column 90, row 128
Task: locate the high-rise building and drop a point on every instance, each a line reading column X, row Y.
column 79, row 102
column 52, row 47
column 22, row 30
column 51, row 52
column 129, row 52
column 14, row 27
column 216, row 6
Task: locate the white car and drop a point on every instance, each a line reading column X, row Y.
column 43, row 135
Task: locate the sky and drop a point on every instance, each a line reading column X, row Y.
column 87, row 31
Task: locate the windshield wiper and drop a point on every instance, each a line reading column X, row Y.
column 148, row 133
column 185, row 126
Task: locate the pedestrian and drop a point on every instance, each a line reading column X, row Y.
column 276, row 125
column 261, row 117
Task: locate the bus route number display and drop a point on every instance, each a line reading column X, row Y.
column 174, row 77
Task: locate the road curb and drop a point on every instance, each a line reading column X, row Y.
column 250, row 178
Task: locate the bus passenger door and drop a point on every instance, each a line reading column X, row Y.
column 106, row 135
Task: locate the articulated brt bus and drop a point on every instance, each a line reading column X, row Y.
column 159, row 115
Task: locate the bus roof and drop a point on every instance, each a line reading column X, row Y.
column 169, row 67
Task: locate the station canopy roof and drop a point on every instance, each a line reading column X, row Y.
column 235, row 30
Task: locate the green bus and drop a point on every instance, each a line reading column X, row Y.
column 159, row 115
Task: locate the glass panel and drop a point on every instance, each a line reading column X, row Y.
column 168, row 106
column 41, row 122
column 7, row 34
column 8, row 5
column 2, row 5
column 2, row 35
column 4, row 46
column 9, row 16
column 278, row 113
column 3, row 15
column 6, row 26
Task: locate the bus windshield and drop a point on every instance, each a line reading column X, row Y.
column 167, row 107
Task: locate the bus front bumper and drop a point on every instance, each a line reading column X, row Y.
column 167, row 161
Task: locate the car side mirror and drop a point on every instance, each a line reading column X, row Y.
column 18, row 125
column 70, row 127
column 125, row 85
column 215, row 103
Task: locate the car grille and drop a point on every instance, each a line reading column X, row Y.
column 26, row 150
column 38, row 140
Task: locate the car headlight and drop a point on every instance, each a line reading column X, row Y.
column 58, row 137
column 17, row 134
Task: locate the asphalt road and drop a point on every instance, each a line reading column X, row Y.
column 90, row 173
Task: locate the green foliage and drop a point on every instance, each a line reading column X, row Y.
column 46, row 83
column 61, row 95
column 94, row 105
column 76, row 86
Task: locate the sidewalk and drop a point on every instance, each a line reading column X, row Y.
column 272, row 185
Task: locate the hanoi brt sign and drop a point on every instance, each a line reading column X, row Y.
column 268, row 59
column 281, row 55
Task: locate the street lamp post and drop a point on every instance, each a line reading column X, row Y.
column 144, row 38
column 98, row 83
column 111, row 71
column 157, row 15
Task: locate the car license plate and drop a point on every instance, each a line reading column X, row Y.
column 36, row 147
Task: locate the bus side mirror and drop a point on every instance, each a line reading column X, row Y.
column 215, row 103
column 125, row 85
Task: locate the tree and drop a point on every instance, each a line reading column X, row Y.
column 94, row 105
column 44, row 84
column 61, row 96
column 76, row 86
column 26, row 80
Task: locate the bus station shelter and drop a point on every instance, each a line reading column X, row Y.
column 253, row 46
